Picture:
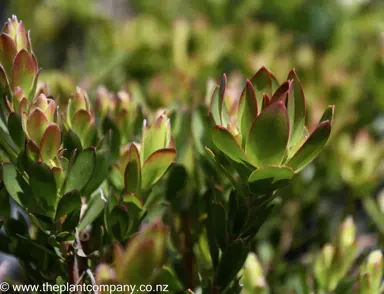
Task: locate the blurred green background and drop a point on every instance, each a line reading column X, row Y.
column 165, row 51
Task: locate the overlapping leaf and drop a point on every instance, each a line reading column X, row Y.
column 268, row 136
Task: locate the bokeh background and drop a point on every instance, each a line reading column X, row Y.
column 165, row 51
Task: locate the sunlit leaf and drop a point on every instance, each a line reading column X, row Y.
column 268, row 137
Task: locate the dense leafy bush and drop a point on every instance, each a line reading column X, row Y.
column 171, row 175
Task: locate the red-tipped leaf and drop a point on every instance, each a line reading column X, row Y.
column 23, row 71
column 266, row 101
column 8, row 52
column 37, row 122
column 155, row 166
column 264, row 82
column 50, row 143
column 328, row 114
column 222, row 107
column 81, row 123
column 132, row 175
column 282, row 92
column 296, row 110
column 247, row 109
column 21, row 37
column 227, row 144
column 312, row 147
column 214, row 110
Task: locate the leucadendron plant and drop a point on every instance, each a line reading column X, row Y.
column 82, row 180
column 115, row 192
column 266, row 139
column 259, row 143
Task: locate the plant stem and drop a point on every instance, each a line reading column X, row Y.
column 188, row 252
column 215, row 290
column 374, row 213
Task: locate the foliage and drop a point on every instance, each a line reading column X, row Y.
column 201, row 186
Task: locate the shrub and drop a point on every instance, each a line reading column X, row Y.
column 117, row 193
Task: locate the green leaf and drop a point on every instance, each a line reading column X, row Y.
column 16, row 185
column 226, row 143
column 33, row 151
column 328, row 114
column 138, row 262
column 181, row 125
column 112, row 201
column 269, row 178
column 214, row 109
column 113, row 137
column 94, row 208
column 257, row 217
column 133, row 199
column 5, row 89
column 268, row 137
column 32, row 92
column 5, row 206
column 222, row 107
column 81, row 170
column 293, row 149
column 176, row 185
column 81, row 124
column 23, row 71
column 296, row 110
column 282, row 92
column 71, row 221
column 264, row 82
column 70, row 202
column 230, row 263
column 16, row 130
column 99, row 174
column 37, row 123
column 312, row 147
column 134, row 206
column 21, row 37
column 199, row 126
column 47, row 105
column 78, row 102
column 8, row 52
column 217, row 108
column 119, row 222
column 220, row 224
column 72, row 141
column 240, row 219
column 132, row 174
column 155, row 137
column 50, row 143
column 155, row 166
column 247, row 110
column 266, row 102
column 116, row 178
column 43, row 185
